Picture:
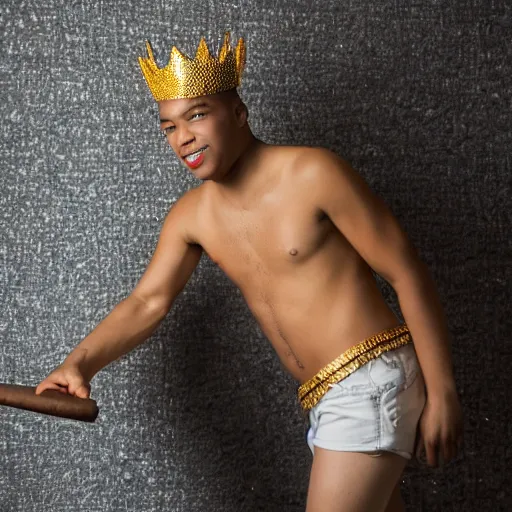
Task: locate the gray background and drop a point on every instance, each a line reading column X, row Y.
column 417, row 95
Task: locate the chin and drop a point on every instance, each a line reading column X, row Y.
column 204, row 172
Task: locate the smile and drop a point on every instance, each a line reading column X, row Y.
column 195, row 159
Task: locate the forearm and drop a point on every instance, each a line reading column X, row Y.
column 423, row 314
column 128, row 325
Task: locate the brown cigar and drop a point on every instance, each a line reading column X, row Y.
column 50, row 402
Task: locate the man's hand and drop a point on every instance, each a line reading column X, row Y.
column 440, row 429
column 67, row 378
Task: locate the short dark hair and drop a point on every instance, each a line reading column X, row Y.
column 232, row 95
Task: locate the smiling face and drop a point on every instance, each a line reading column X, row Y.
column 206, row 133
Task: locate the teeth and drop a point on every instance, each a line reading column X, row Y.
column 193, row 156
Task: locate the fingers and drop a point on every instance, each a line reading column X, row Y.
column 67, row 382
column 455, row 445
column 452, row 442
column 431, row 453
column 440, row 434
column 43, row 386
column 77, row 386
column 79, row 389
column 53, row 381
column 449, row 449
column 83, row 391
column 437, row 451
column 420, row 448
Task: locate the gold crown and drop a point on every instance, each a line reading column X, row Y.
column 184, row 77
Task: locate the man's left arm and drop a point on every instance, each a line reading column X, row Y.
column 370, row 227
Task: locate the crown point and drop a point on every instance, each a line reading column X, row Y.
column 203, row 53
column 240, row 57
column 225, row 48
column 176, row 54
column 149, row 50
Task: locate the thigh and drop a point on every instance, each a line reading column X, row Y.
column 352, row 481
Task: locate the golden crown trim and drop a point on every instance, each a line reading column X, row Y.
column 205, row 74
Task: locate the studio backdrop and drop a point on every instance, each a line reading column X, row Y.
column 416, row 95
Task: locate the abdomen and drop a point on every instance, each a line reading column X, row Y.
column 321, row 308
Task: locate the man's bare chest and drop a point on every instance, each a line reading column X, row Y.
column 273, row 239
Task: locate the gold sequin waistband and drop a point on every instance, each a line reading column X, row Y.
column 349, row 361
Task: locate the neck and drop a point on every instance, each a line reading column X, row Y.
column 239, row 176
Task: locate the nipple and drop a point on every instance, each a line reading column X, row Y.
column 293, row 252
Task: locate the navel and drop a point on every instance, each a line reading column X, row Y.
column 293, row 252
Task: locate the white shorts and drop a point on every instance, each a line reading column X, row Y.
column 374, row 409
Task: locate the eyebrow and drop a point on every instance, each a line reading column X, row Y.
column 196, row 105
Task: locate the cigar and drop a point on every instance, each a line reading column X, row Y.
column 50, row 401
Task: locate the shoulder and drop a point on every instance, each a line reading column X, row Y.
column 185, row 213
column 330, row 181
column 312, row 158
column 307, row 160
column 321, row 167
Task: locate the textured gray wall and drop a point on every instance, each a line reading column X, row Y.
column 202, row 418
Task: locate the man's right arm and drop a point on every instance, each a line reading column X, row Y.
column 136, row 317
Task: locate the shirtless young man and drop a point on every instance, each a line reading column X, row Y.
column 298, row 231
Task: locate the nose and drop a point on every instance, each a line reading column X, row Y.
column 184, row 137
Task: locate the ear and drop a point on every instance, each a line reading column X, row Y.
column 241, row 113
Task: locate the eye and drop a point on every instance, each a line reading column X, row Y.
column 168, row 130
column 197, row 115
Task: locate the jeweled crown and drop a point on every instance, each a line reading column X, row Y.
column 184, row 77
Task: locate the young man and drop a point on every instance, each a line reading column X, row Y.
column 298, row 231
